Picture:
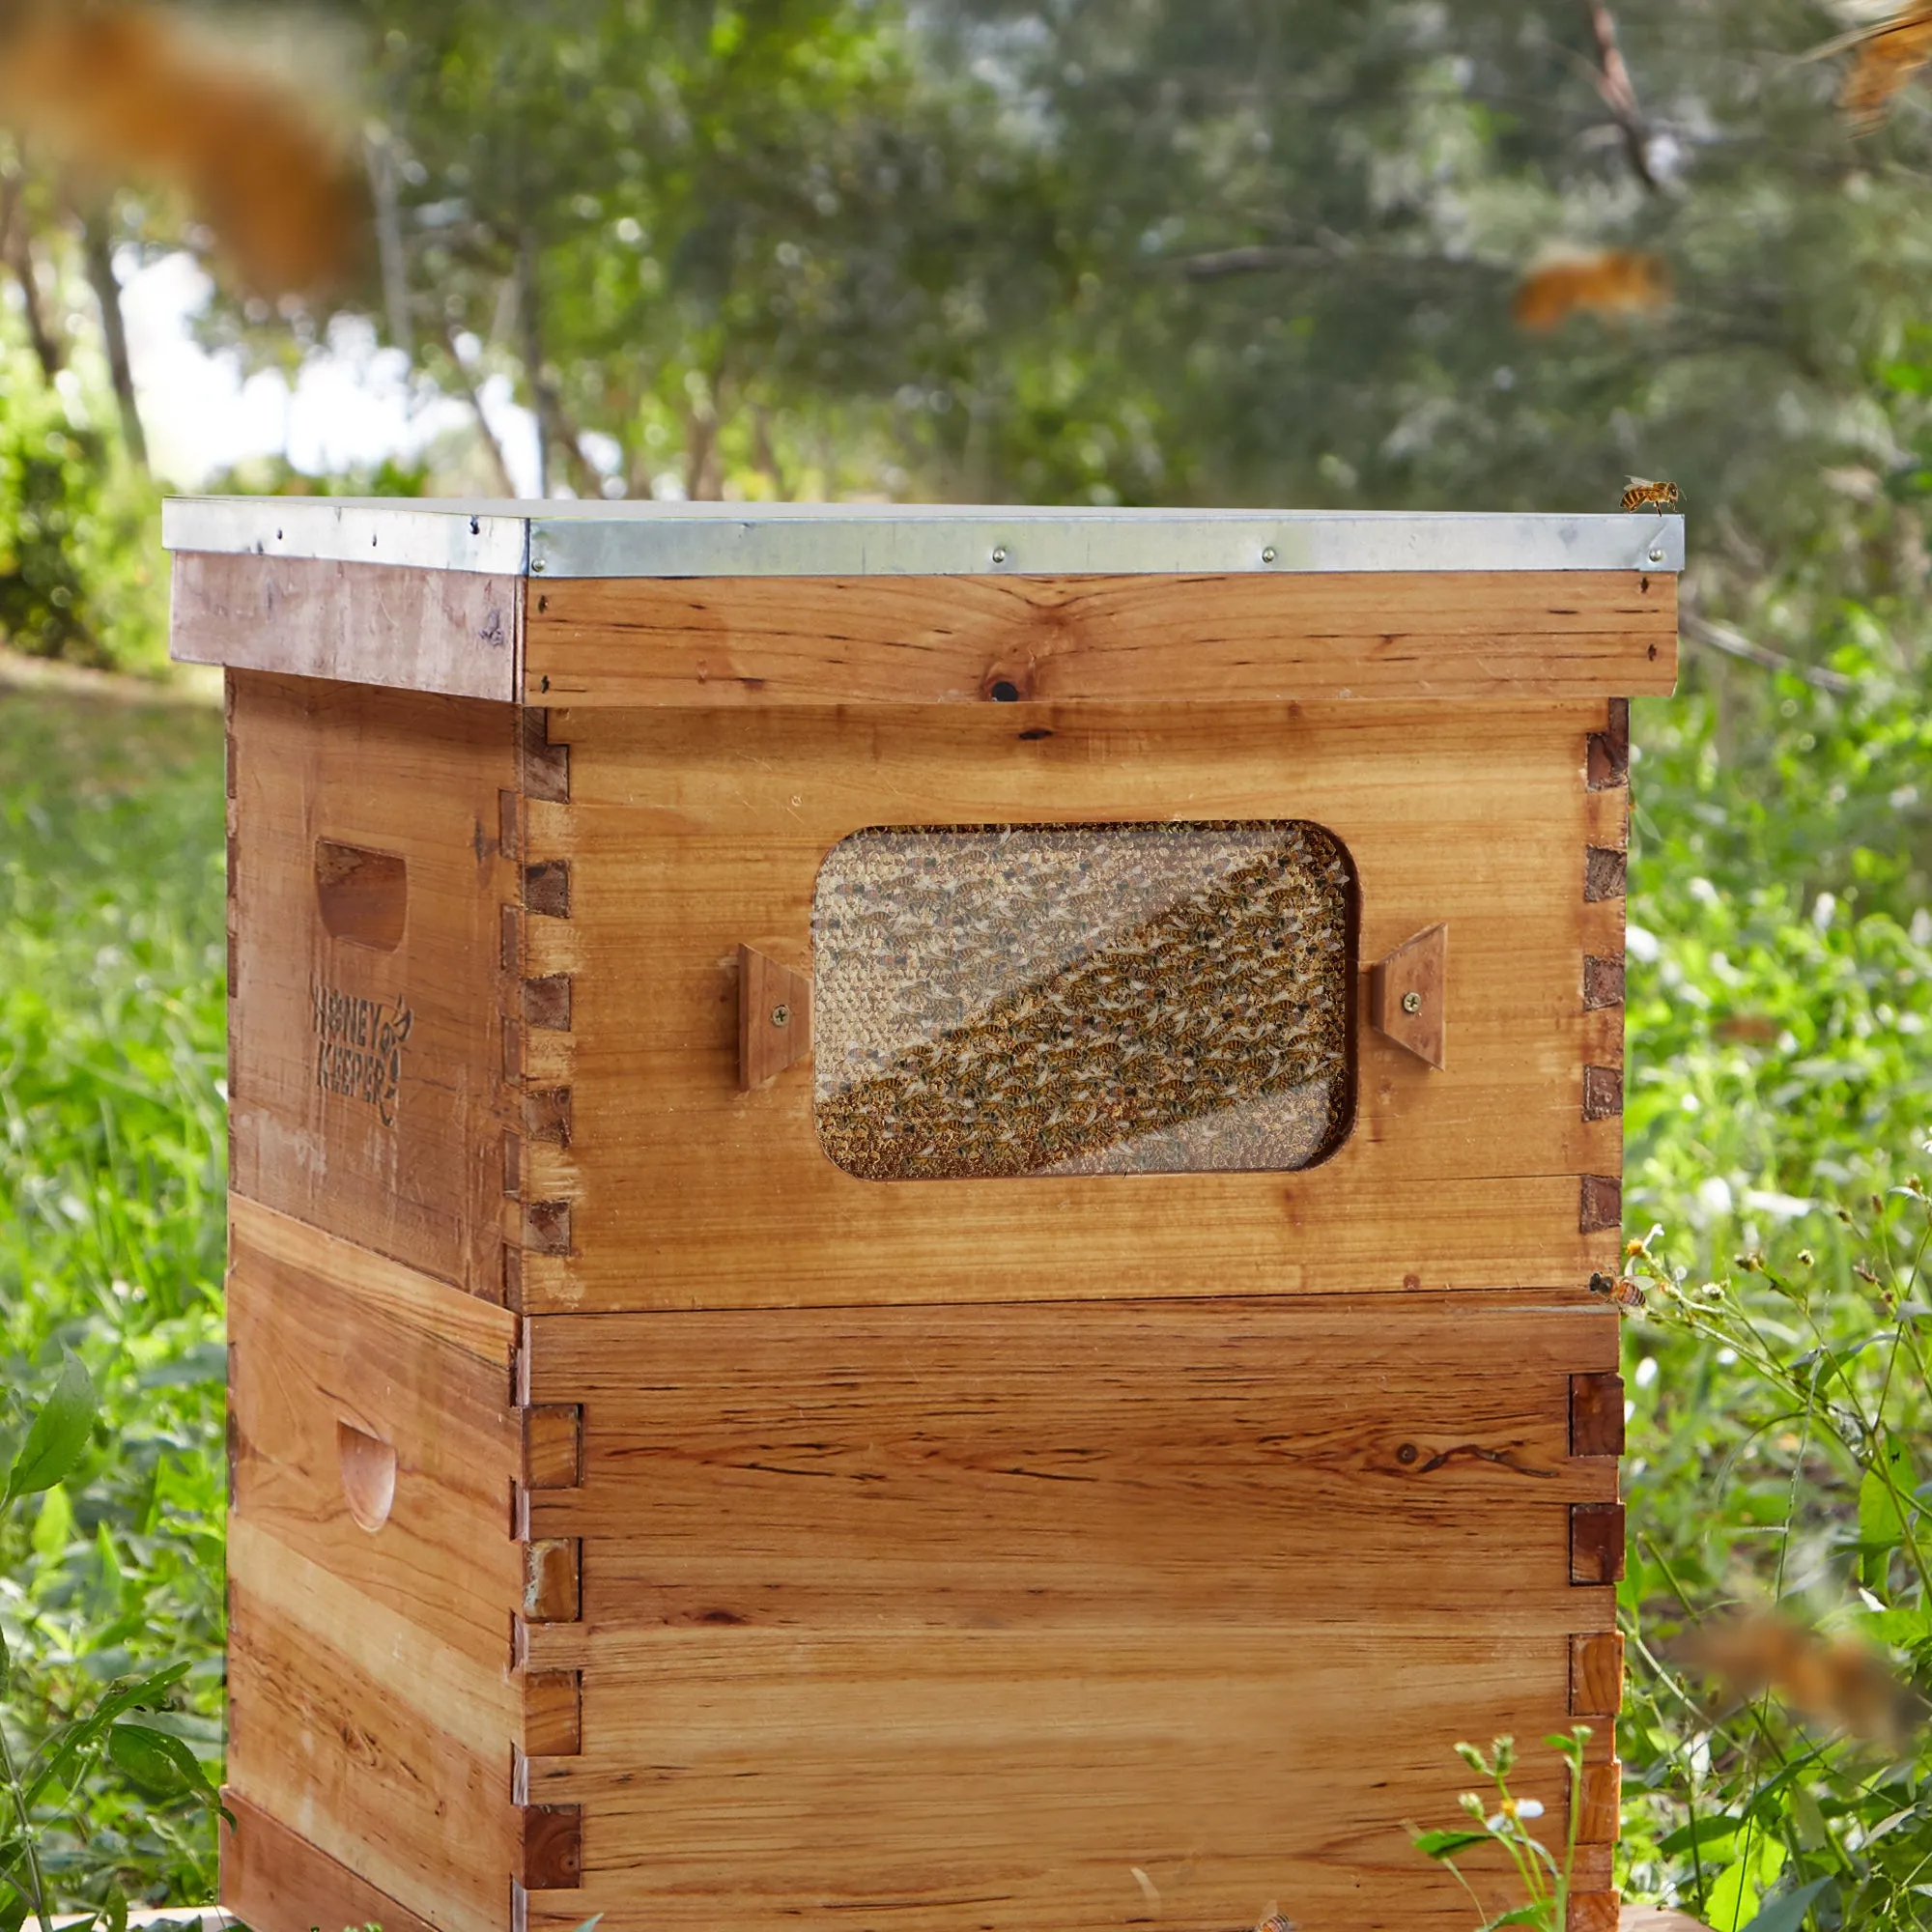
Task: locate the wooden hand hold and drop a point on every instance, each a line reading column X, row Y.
column 1406, row 993
column 773, row 1017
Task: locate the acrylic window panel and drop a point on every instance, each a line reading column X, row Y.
column 1001, row 1000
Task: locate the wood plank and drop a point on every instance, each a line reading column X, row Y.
column 382, row 1747
column 454, row 632
column 367, row 1084
column 1021, row 1466
column 688, row 837
column 275, row 1880
column 323, row 1333
column 712, row 643
column 963, row 1780
column 369, row 1287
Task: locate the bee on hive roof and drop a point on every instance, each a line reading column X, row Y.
column 1641, row 494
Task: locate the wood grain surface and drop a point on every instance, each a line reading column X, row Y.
column 714, row 643
column 382, row 1743
column 411, row 1166
column 325, row 1333
column 1109, row 1464
column 374, row 1710
column 451, row 632
column 273, row 1877
column 688, row 837
column 957, row 1780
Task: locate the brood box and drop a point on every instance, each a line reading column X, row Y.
column 913, row 1198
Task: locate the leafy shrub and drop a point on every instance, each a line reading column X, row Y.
column 81, row 573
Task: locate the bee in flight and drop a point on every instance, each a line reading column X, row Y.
column 1615, row 1287
column 1641, row 494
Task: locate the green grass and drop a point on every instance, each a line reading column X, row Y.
column 112, row 1172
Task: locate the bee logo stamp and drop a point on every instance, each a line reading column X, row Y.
column 358, row 1048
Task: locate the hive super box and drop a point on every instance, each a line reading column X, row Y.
column 914, row 1203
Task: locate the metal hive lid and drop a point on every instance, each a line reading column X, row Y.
column 650, row 539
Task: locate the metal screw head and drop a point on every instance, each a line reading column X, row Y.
column 1267, row 556
column 781, row 1015
column 1412, row 1003
column 999, row 553
column 1655, row 554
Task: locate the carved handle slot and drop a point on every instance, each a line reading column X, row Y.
column 363, row 896
column 368, row 1475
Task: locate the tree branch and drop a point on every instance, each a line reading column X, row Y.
column 1267, row 258
column 1702, row 631
column 97, row 246
column 16, row 250
column 493, row 448
column 1613, row 83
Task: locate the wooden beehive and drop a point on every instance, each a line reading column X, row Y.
column 914, row 1203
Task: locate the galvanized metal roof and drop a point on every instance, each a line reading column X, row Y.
column 639, row 539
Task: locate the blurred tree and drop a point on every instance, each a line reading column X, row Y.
column 1238, row 251
column 705, row 240
column 1226, row 249
column 1308, row 219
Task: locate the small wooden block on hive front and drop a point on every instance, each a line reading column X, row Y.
column 1406, row 990
column 773, row 1017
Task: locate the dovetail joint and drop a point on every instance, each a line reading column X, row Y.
column 1596, row 1543
column 1603, row 1093
column 1603, row 982
column 1600, row 1204
column 1597, row 1414
column 1606, row 874
column 1607, row 761
column 547, row 888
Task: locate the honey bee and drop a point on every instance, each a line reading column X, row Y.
column 1615, row 1287
column 1275, row 1922
column 1642, row 493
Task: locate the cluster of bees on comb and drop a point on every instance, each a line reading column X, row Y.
column 1232, row 993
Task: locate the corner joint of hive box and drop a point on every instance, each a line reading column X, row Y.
column 549, row 1847
column 1606, row 753
column 542, row 759
column 1594, row 1912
